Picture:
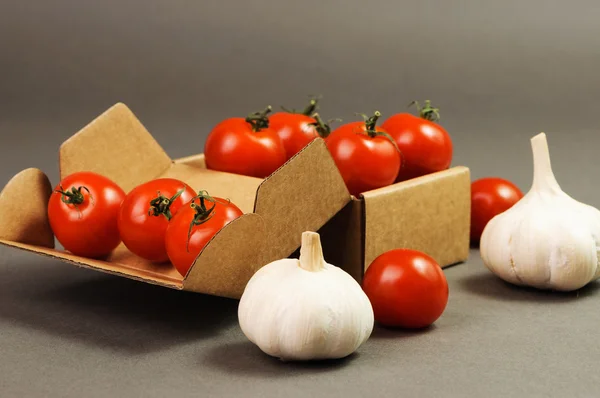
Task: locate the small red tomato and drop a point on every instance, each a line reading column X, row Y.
column 490, row 196
column 407, row 289
column 194, row 225
column 425, row 145
column 246, row 146
column 145, row 214
column 83, row 212
column 365, row 155
column 296, row 129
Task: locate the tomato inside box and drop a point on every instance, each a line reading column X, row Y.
column 307, row 193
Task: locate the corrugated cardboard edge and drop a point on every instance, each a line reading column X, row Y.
column 230, row 258
column 430, row 213
column 117, row 145
column 24, row 209
column 311, row 182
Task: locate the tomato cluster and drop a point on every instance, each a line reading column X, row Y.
column 162, row 220
column 368, row 156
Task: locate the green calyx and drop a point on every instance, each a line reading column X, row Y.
column 310, row 108
column 371, row 129
column 371, row 123
column 427, row 112
column 259, row 120
column 323, row 128
column 161, row 205
column 74, row 196
column 202, row 213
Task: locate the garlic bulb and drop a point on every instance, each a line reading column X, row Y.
column 305, row 309
column 547, row 240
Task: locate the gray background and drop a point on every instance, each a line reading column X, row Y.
column 500, row 72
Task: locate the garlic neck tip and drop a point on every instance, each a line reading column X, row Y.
column 541, row 137
column 311, row 252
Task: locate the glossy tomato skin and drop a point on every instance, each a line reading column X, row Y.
column 407, row 289
column 425, row 145
column 490, row 196
column 364, row 162
column 144, row 234
column 182, row 255
column 295, row 130
column 232, row 146
column 88, row 229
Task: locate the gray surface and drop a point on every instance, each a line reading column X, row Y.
column 500, row 71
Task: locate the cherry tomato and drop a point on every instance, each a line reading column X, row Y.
column 145, row 214
column 425, row 145
column 246, row 146
column 490, row 196
column 407, row 289
column 296, row 129
column 83, row 212
column 365, row 155
column 194, row 225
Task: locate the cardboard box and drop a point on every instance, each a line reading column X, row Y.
column 301, row 195
column 430, row 213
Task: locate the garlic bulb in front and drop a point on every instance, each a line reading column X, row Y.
column 305, row 309
column 547, row 240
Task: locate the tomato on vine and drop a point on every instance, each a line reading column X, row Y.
column 490, row 196
column 407, row 288
column 246, row 146
column 83, row 211
column 425, row 144
column 365, row 154
column 145, row 215
column 297, row 129
column 193, row 227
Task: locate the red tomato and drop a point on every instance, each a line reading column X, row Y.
column 407, row 289
column 246, row 146
column 297, row 129
column 365, row 155
column 490, row 196
column 425, row 145
column 83, row 212
column 145, row 215
column 194, row 225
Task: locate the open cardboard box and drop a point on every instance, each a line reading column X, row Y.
column 430, row 213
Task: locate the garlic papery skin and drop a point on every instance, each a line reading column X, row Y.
column 547, row 240
column 305, row 309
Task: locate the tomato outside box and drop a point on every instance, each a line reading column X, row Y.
column 307, row 193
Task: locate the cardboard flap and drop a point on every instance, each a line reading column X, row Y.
column 116, row 145
column 119, row 269
column 229, row 259
column 300, row 196
column 24, row 209
column 417, row 214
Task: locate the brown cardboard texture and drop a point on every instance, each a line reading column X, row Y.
column 429, row 213
column 302, row 195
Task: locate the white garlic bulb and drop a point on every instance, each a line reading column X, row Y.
column 547, row 240
column 305, row 309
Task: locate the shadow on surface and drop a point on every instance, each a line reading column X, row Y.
column 244, row 358
column 383, row 332
column 487, row 284
column 109, row 311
